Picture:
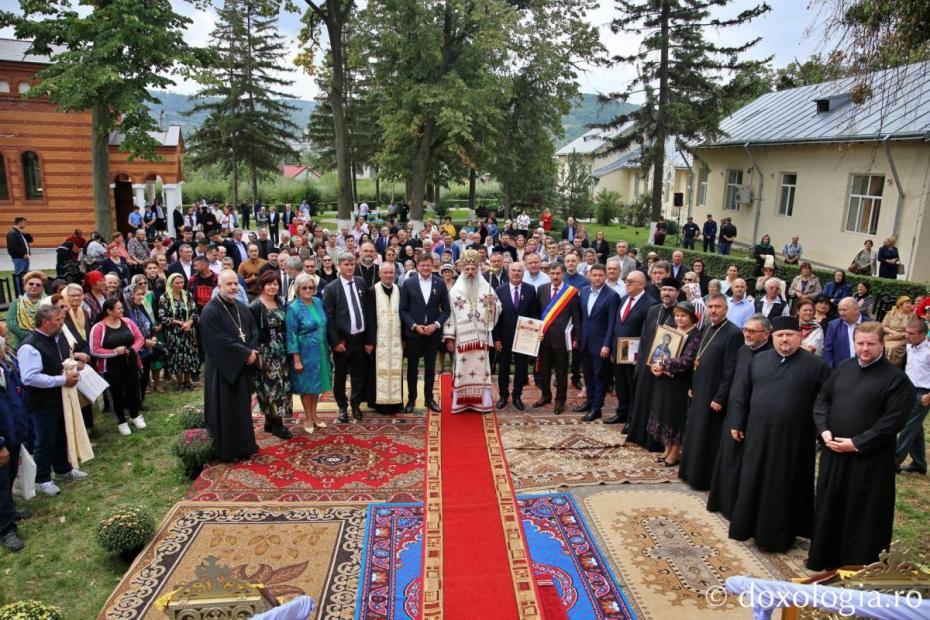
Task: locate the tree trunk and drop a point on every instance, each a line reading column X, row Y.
column 377, row 185
column 418, row 174
column 103, row 215
column 472, row 178
column 253, row 180
column 344, row 201
column 235, row 185
column 658, row 159
column 354, row 183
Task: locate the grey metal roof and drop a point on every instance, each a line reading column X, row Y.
column 172, row 137
column 899, row 107
column 630, row 159
column 14, row 50
column 592, row 140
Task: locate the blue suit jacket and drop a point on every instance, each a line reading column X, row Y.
column 13, row 421
column 414, row 311
column 836, row 343
column 596, row 327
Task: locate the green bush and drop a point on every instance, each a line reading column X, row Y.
column 30, row 610
column 191, row 417
column 194, row 448
column 637, row 212
column 716, row 267
column 124, row 528
column 607, row 206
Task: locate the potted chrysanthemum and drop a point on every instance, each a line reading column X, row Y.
column 125, row 529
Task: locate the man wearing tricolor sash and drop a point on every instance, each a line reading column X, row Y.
column 475, row 309
column 561, row 318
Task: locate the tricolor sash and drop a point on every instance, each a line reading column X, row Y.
column 556, row 305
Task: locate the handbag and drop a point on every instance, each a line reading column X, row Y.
column 900, row 269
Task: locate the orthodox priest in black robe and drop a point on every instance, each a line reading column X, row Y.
column 772, row 412
column 230, row 344
column 659, row 314
column 858, row 414
column 714, row 366
column 724, row 486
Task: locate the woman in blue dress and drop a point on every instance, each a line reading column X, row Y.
column 309, row 349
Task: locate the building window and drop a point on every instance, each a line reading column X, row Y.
column 4, row 86
column 865, row 203
column 789, row 185
column 734, row 182
column 4, row 189
column 32, row 176
column 702, row 188
column 23, row 87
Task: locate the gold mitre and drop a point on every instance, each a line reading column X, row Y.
column 470, row 256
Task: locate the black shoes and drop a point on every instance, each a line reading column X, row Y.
column 357, row 413
column 409, row 407
column 431, row 405
column 592, row 416
column 11, row 541
column 626, row 429
column 281, row 432
column 542, row 402
column 558, row 408
column 343, row 416
column 582, row 407
column 912, row 469
column 614, row 420
column 501, row 403
column 518, row 403
column 576, row 384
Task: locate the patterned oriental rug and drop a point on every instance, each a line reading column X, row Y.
column 291, row 549
column 670, row 552
column 548, row 452
column 379, row 459
column 561, row 548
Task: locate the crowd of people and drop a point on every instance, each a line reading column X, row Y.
column 736, row 383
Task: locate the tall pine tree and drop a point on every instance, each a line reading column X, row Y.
column 681, row 74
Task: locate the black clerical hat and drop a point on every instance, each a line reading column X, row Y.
column 675, row 284
column 785, row 322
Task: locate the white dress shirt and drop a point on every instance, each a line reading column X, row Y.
column 426, row 287
column 349, row 287
column 849, row 335
column 618, row 287
column 918, row 365
column 630, row 301
column 592, row 298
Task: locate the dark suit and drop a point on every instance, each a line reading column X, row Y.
column 632, row 327
column 503, row 332
column 602, row 249
column 263, row 246
column 836, row 343
column 565, row 231
column 287, row 217
column 176, row 267
column 339, row 329
column 679, row 271
column 553, row 353
column 274, row 226
column 414, row 310
column 596, row 328
column 777, row 308
column 496, row 281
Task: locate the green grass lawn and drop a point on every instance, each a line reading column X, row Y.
column 62, row 563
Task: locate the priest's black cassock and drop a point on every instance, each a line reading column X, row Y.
column 773, row 405
column 716, row 363
column 227, row 394
column 645, row 380
column 725, row 483
column 854, row 510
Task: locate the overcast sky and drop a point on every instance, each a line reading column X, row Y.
column 791, row 30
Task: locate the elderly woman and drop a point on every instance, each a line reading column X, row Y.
column 137, row 306
column 673, row 380
column 811, row 332
column 95, row 293
column 115, row 342
column 272, row 383
column 76, row 330
column 20, row 318
column 863, row 262
column 864, row 299
column 308, row 347
column 178, row 316
column 760, row 251
column 768, row 273
column 888, row 259
column 894, row 323
column 713, row 288
column 805, row 284
column 115, row 263
column 838, row 288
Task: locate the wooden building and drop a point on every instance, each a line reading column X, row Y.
column 45, row 160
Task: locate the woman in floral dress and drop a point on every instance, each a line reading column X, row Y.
column 178, row 316
column 272, row 383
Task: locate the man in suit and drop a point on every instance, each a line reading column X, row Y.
column 709, row 233
column 184, row 265
column 677, row 266
column 568, row 233
column 553, row 352
column 517, row 299
column 274, row 224
column 237, row 249
column 631, row 315
column 288, row 216
column 598, row 314
column 496, row 276
column 424, row 309
column 343, row 299
column 18, row 247
column 771, row 304
column 838, row 342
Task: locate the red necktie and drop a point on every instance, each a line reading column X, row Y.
column 626, row 310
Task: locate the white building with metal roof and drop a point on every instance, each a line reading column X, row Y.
column 834, row 163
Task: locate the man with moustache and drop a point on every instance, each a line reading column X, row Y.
column 772, row 411
column 366, row 269
column 384, row 344
column 560, row 306
column 724, row 484
column 714, row 365
column 517, row 299
column 631, row 318
column 660, row 314
column 598, row 314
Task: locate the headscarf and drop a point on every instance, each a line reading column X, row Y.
column 185, row 298
column 79, row 318
column 92, row 278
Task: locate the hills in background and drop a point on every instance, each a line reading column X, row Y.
column 171, row 111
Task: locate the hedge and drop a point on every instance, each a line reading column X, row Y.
column 716, row 267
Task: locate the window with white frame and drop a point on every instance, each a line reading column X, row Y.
column 702, row 188
column 865, row 203
column 789, row 184
column 4, row 86
column 731, row 197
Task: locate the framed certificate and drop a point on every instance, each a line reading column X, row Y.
column 627, row 351
column 526, row 336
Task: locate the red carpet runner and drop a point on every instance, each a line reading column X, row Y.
column 476, row 563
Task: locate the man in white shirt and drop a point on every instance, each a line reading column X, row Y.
column 917, row 368
column 534, row 276
column 614, row 275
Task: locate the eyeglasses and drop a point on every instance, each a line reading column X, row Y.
column 746, row 330
column 308, row 288
column 33, row 284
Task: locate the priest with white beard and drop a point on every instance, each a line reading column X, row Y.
column 383, row 343
column 475, row 309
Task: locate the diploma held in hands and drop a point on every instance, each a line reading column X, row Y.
column 526, row 336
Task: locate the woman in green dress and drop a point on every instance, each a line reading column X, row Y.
column 309, row 349
column 272, row 383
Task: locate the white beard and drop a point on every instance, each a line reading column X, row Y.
column 471, row 288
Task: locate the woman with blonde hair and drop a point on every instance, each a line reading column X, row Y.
column 308, row 347
column 889, row 261
column 894, row 323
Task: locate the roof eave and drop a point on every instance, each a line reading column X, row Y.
column 925, row 136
